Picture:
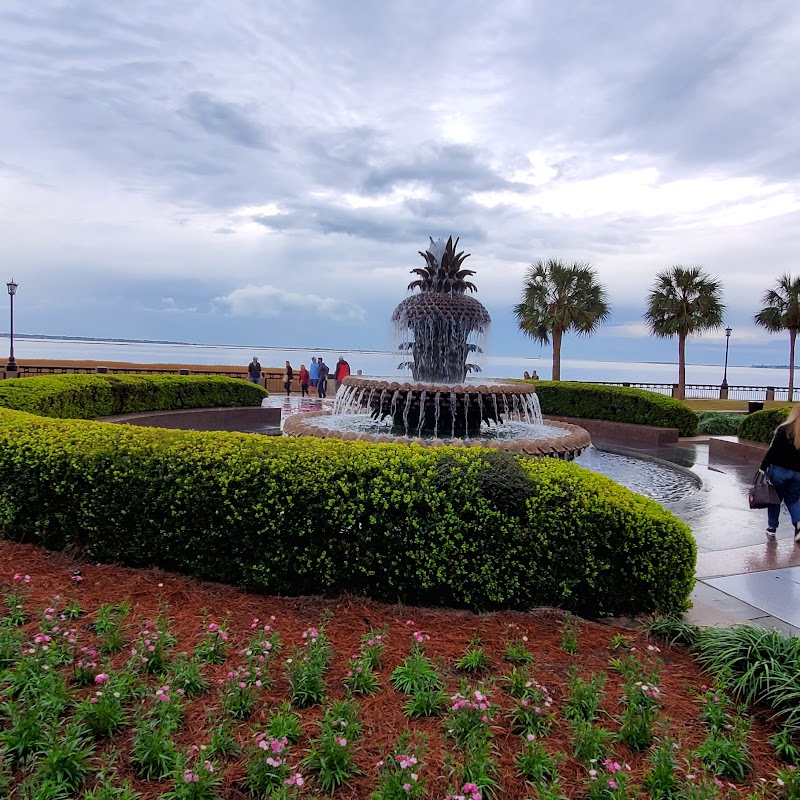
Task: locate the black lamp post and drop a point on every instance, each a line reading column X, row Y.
column 12, row 290
column 725, row 372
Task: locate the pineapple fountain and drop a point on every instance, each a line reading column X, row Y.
column 441, row 328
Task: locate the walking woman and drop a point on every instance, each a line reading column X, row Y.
column 304, row 379
column 287, row 378
column 782, row 465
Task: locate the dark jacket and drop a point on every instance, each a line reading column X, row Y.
column 782, row 452
column 254, row 369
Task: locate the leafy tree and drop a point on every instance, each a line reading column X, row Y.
column 558, row 298
column 781, row 312
column 683, row 301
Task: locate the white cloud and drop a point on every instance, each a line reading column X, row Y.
column 271, row 302
column 169, row 306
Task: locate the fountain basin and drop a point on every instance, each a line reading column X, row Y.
column 558, row 439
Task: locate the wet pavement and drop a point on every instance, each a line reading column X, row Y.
column 741, row 577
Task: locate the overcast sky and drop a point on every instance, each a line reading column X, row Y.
column 265, row 172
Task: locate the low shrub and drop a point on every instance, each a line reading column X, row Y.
column 307, row 516
column 89, row 396
column 615, row 403
column 760, row 425
column 716, row 423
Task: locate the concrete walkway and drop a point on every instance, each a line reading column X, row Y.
column 741, row 577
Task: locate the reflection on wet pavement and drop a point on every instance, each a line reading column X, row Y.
column 741, row 576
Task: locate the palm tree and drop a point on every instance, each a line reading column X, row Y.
column 558, row 298
column 683, row 301
column 781, row 312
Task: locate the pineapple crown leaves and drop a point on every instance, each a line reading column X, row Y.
column 447, row 276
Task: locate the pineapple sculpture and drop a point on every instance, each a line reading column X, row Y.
column 441, row 317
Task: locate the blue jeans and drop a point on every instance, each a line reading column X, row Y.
column 787, row 485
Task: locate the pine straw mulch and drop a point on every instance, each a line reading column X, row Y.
column 190, row 602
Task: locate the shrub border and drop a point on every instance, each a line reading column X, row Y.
column 459, row 527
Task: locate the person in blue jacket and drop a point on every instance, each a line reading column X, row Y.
column 313, row 373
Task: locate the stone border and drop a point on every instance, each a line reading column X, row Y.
column 362, row 382
column 565, row 447
column 232, row 418
column 735, row 449
column 623, row 432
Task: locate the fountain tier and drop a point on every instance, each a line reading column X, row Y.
column 434, row 409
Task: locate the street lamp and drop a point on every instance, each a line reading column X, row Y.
column 727, row 342
column 12, row 290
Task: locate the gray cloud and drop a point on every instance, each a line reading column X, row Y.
column 225, row 119
column 189, row 150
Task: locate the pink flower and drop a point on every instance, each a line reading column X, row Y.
column 101, row 677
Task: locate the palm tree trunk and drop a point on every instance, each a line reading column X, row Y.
column 557, row 354
column 681, row 366
column 792, row 337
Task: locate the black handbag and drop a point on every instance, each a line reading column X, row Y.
column 762, row 493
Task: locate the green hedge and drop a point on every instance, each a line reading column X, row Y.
column 615, row 403
column 718, row 423
column 760, row 425
column 89, row 396
column 440, row 526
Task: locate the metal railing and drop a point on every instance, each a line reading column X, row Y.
column 708, row 391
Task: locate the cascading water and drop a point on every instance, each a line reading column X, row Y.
column 441, row 328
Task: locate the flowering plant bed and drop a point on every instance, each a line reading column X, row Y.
column 126, row 684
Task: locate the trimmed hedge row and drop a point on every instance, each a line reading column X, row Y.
column 615, row 403
column 719, row 423
column 89, row 396
column 441, row 526
column 760, row 425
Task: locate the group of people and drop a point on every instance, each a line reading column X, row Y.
column 315, row 378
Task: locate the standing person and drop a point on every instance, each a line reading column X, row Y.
column 535, row 376
column 304, row 379
column 526, row 376
column 782, row 465
column 322, row 379
column 313, row 373
column 342, row 371
column 288, row 374
column 254, row 371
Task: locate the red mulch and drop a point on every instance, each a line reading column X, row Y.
column 148, row 589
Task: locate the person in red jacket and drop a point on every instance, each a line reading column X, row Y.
column 304, row 376
column 342, row 371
